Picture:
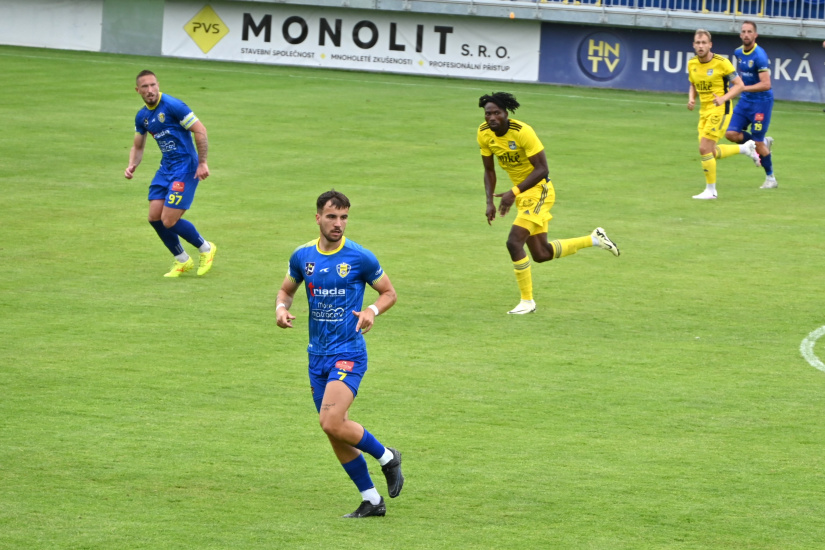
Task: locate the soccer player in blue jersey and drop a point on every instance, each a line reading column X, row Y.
column 756, row 102
column 182, row 166
column 335, row 272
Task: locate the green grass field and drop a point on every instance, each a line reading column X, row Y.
column 656, row 400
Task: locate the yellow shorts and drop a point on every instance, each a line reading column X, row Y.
column 533, row 208
column 713, row 123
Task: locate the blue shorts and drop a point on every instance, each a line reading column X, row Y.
column 175, row 190
column 757, row 114
column 349, row 368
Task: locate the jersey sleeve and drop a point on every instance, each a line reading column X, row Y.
column 371, row 269
column 138, row 125
column 530, row 142
column 294, row 270
column 728, row 70
column 482, row 144
column 762, row 62
column 182, row 113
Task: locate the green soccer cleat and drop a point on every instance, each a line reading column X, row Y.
column 179, row 268
column 205, row 263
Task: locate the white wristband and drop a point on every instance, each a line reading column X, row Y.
column 280, row 305
column 375, row 309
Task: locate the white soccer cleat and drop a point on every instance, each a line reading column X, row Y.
column 604, row 241
column 770, row 183
column 769, row 143
column 749, row 149
column 524, row 306
column 706, row 194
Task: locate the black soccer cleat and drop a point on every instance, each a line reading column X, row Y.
column 392, row 471
column 368, row 509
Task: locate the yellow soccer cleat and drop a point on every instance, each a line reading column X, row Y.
column 179, row 268
column 205, row 263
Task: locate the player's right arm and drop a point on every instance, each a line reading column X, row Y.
column 489, row 186
column 284, row 302
column 691, row 97
column 135, row 155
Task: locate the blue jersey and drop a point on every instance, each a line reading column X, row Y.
column 749, row 65
column 169, row 122
column 335, row 283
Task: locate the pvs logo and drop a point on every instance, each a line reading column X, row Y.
column 602, row 56
column 206, row 29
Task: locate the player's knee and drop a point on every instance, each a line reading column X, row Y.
column 735, row 137
column 514, row 245
column 330, row 425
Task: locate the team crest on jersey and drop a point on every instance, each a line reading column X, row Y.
column 145, row 122
column 162, row 117
column 512, row 145
column 750, row 63
column 177, row 186
column 309, row 268
column 759, row 117
column 710, row 72
column 343, row 269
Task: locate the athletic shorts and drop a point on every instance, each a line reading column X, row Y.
column 349, row 368
column 713, row 123
column 175, row 190
column 757, row 114
column 533, row 208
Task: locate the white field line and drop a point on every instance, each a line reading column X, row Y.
column 807, row 348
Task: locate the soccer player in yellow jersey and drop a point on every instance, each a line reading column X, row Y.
column 521, row 155
column 717, row 83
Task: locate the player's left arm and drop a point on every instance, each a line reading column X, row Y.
column 386, row 299
column 539, row 173
column 736, row 88
column 202, row 145
column 763, row 85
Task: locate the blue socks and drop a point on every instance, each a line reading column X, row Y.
column 767, row 164
column 370, row 445
column 186, row 230
column 358, row 473
column 169, row 237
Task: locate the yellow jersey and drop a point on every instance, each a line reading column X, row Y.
column 513, row 150
column 711, row 77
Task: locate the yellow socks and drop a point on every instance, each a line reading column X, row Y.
column 524, row 278
column 725, row 151
column 709, row 166
column 566, row 247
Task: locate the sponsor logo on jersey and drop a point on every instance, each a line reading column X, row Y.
column 344, row 365
column 309, row 268
column 162, row 117
column 318, row 291
column 512, row 145
column 177, row 186
column 325, row 270
column 343, row 269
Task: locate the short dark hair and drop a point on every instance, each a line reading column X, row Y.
column 145, row 72
column 502, row 99
column 746, row 22
column 338, row 200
